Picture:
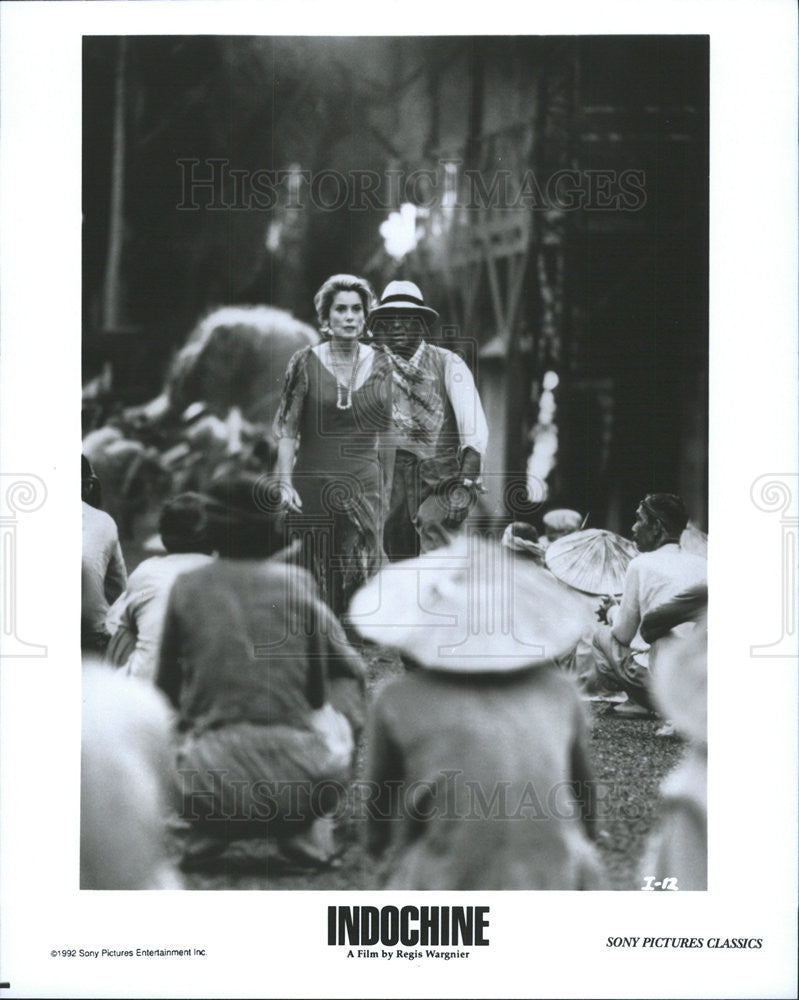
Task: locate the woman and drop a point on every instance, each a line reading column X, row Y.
column 269, row 696
column 335, row 407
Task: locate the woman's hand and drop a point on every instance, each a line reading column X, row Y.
column 287, row 497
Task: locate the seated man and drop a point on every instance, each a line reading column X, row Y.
column 136, row 618
column 663, row 570
column 477, row 762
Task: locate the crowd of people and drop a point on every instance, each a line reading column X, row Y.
column 236, row 658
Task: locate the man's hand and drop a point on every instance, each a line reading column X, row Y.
column 459, row 497
column 470, row 464
column 284, row 497
column 605, row 605
column 460, row 492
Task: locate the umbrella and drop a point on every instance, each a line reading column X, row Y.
column 472, row 607
column 593, row 561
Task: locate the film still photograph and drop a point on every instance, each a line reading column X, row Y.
column 394, row 462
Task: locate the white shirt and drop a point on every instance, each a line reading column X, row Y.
column 141, row 609
column 652, row 579
column 465, row 401
column 103, row 574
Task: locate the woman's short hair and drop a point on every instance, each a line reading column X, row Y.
column 342, row 283
column 183, row 524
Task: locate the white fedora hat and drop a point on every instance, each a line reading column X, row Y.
column 402, row 296
column 471, row 607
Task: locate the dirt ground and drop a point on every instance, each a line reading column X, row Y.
column 629, row 763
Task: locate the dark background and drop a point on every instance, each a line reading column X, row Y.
column 611, row 298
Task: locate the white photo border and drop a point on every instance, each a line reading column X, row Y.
column 542, row 944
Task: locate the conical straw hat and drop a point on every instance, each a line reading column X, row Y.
column 472, row 607
column 593, row 561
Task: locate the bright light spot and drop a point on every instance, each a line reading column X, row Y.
column 295, row 180
column 399, row 231
column 542, row 459
column 273, row 235
column 450, row 195
column 546, row 408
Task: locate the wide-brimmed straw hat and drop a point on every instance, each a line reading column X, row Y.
column 402, row 297
column 593, row 561
column 472, row 607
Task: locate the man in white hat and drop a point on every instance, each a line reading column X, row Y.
column 441, row 429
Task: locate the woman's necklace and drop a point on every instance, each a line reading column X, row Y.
column 341, row 385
